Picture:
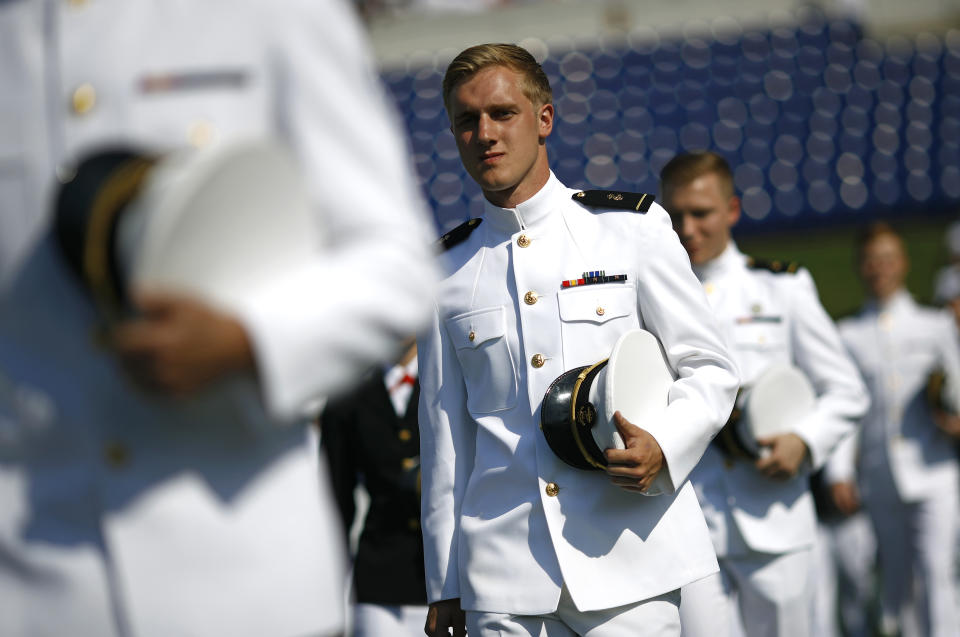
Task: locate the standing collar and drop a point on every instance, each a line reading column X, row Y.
column 528, row 214
column 900, row 300
column 728, row 260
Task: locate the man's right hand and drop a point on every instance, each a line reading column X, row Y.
column 846, row 497
column 444, row 615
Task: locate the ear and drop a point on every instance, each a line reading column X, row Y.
column 545, row 120
column 733, row 210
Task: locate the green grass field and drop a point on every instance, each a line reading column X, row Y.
column 829, row 255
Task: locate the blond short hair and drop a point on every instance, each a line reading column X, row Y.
column 533, row 81
column 685, row 167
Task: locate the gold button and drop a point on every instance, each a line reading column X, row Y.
column 472, row 336
column 200, row 133
column 116, row 454
column 552, row 489
column 601, row 311
column 530, row 298
column 404, row 435
column 409, row 463
column 84, row 98
column 413, row 524
column 523, row 241
column 538, row 360
column 66, row 172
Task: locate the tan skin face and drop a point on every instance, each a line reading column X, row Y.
column 883, row 266
column 501, row 135
column 702, row 215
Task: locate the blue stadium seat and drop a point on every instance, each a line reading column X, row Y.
column 819, row 122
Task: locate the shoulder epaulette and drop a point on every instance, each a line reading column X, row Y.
column 458, row 234
column 636, row 201
column 790, row 267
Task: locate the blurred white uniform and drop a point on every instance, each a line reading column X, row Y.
column 844, row 565
column 906, row 467
column 128, row 514
column 764, row 529
column 507, row 525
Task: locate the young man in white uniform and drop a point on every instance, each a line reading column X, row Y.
column 127, row 512
column 904, row 468
column 760, row 513
column 522, row 542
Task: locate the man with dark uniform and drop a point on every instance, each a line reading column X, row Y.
column 371, row 438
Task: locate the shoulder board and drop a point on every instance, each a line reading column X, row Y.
column 636, row 201
column 789, row 267
column 458, row 234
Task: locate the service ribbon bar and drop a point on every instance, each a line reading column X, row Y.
column 593, row 277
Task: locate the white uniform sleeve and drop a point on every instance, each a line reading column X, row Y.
column 950, row 362
column 841, row 466
column 447, row 446
column 842, row 398
column 675, row 309
column 316, row 331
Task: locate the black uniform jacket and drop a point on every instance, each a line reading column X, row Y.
column 366, row 441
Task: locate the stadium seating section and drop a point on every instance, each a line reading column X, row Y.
column 820, row 123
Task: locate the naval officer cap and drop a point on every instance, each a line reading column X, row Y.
column 775, row 403
column 213, row 223
column 576, row 414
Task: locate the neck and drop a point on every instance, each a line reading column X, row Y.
column 529, row 186
column 885, row 297
column 408, row 355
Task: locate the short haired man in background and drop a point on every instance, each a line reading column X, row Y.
column 760, row 512
column 524, row 543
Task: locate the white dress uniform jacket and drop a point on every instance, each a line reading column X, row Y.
column 772, row 318
column 906, row 468
column 897, row 347
column 124, row 513
column 505, row 521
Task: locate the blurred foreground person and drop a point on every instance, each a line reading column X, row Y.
column 523, row 542
column 159, row 480
column 371, row 437
column 758, row 506
column 904, row 468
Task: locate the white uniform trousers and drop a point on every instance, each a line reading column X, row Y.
column 765, row 596
column 380, row 620
column 916, row 538
column 843, row 573
column 655, row 617
column 705, row 610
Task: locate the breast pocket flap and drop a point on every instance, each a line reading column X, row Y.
column 597, row 305
column 469, row 331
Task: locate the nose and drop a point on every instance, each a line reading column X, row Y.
column 684, row 224
column 486, row 130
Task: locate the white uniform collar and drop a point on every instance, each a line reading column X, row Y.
column 900, row 300
column 730, row 259
column 527, row 214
